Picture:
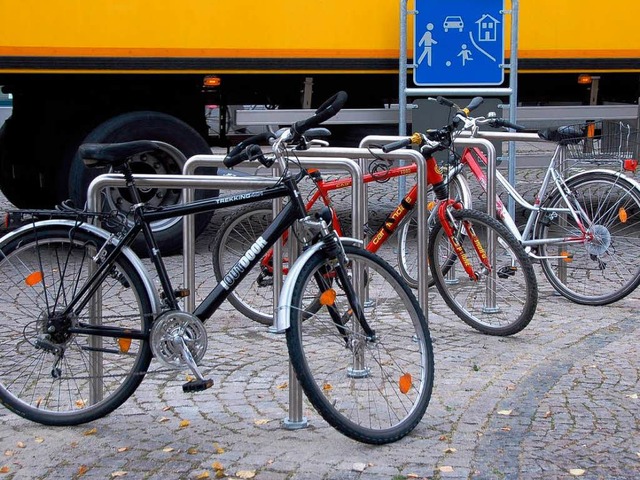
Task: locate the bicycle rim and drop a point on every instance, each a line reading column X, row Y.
column 50, row 375
column 603, row 269
column 372, row 391
column 501, row 307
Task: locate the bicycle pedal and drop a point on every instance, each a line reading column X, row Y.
column 197, row 385
column 506, row 272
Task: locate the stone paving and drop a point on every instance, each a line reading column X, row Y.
column 558, row 400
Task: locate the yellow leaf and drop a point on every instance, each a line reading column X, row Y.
column 282, row 386
column 39, row 439
column 163, row 420
column 122, row 449
column 21, row 445
column 261, row 421
column 184, row 423
column 80, row 403
column 326, row 387
column 246, row 474
column 504, row 412
column 217, row 466
column 219, row 450
column 168, row 449
column 119, row 473
column 4, row 469
column 93, row 431
column 82, row 469
column 577, row 472
column 192, row 450
column 446, row 469
column 204, row 474
column 220, row 474
column 190, row 378
column 8, row 453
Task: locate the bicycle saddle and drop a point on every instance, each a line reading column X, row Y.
column 113, row 154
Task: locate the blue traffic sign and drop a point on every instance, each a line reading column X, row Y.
column 458, row 42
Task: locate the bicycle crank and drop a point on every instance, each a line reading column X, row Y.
column 179, row 339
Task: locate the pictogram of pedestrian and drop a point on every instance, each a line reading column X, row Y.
column 427, row 41
column 465, row 53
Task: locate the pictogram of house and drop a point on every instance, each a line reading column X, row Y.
column 487, row 28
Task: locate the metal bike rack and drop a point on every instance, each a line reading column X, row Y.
column 296, row 419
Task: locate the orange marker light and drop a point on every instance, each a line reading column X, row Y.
column 33, row 278
column 405, row 382
column 622, row 215
column 328, row 297
column 124, row 344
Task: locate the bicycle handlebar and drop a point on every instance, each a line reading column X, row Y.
column 389, row 147
column 240, row 152
column 249, row 153
column 501, row 122
column 327, row 110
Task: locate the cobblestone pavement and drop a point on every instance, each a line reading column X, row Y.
column 558, row 400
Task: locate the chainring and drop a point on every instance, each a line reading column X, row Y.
column 168, row 332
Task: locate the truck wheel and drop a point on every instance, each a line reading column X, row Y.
column 146, row 126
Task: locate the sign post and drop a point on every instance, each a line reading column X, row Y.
column 459, row 42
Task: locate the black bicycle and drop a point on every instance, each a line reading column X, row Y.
column 82, row 318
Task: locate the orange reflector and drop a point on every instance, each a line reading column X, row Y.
column 328, row 297
column 124, row 344
column 33, row 278
column 431, row 205
column 405, row 382
column 622, row 215
column 568, row 257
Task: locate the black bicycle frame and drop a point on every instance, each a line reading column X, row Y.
column 291, row 212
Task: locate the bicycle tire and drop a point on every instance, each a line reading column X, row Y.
column 252, row 297
column 516, row 288
column 408, row 235
column 607, row 268
column 40, row 270
column 366, row 402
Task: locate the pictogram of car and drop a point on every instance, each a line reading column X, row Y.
column 453, row 21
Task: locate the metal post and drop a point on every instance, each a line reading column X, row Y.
column 513, row 100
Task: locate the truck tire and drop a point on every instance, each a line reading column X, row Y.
column 146, row 125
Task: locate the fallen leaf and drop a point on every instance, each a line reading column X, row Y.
column 282, row 386
column 633, row 396
column 21, row 445
column 8, row 453
column 446, row 469
column 93, row 431
column 119, row 473
column 166, row 409
column 547, row 414
column 190, row 378
column 122, row 449
column 359, row 467
column 192, row 450
column 413, row 475
column 184, row 423
column 246, row 474
column 450, row 450
column 80, row 403
column 204, row 474
column 506, row 429
column 219, row 450
column 163, row 419
column 443, row 438
column 39, row 440
column 168, row 449
column 326, row 387
column 73, row 444
column 82, row 469
column 217, row 466
column 577, row 472
column 4, row 469
column 220, row 474
column 504, row 412
column 261, row 421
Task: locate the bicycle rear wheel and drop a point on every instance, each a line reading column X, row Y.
column 375, row 391
column 254, row 296
column 49, row 374
column 605, row 268
column 408, row 236
column 501, row 307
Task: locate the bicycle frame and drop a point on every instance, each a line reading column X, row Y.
column 473, row 157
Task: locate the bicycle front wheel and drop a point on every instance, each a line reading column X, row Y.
column 254, row 296
column 605, row 267
column 374, row 390
column 49, row 374
column 500, row 304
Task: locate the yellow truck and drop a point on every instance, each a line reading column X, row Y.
column 105, row 70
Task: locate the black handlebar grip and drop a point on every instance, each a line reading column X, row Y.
column 473, row 104
column 327, row 110
column 445, row 101
column 514, row 126
column 251, row 151
column 390, row 147
column 254, row 140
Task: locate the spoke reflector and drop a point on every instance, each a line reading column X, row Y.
column 405, row 382
column 622, row 215
column 33, row 278
column 328, row 297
